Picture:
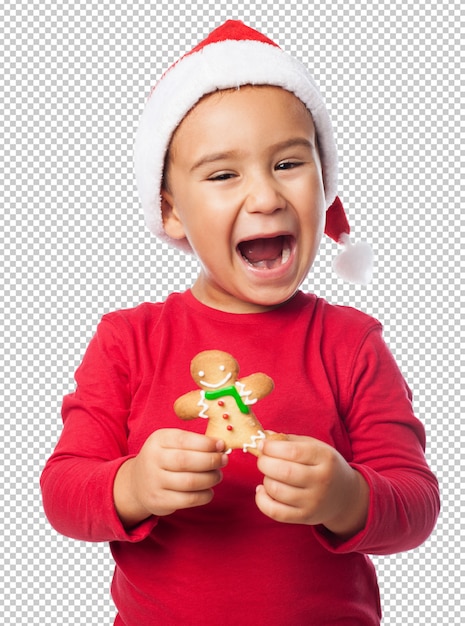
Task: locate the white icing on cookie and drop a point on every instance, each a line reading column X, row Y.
column 203, row 404
column 261, row 435
column 215, row 385
column 245, row 394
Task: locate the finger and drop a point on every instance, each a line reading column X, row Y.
column 189, row 500
column 169, row 501
column 287, row 472
column 284, row 493
column 188, row 482
column 178, row 460
column 183, row 439
column 176, row 449
column 278, row 511
column 305, row 450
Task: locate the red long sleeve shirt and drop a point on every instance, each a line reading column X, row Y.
column 227, row 563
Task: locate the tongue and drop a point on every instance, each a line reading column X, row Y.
column 258, row 250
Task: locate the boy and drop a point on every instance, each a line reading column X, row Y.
column 235, row 161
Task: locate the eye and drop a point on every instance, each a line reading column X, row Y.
column 221, row 176
column 222, row 368
column 287, row 165
column 201, row 373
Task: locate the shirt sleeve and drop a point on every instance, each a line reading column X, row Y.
column 388, row 446
column 77, row 481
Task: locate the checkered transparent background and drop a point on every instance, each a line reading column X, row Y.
column 73, row 244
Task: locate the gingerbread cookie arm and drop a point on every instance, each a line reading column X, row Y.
column 187, row 407
column 255, row 386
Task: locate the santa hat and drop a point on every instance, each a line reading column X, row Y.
column 231, row 56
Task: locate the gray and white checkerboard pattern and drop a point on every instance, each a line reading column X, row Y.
column 73, row 244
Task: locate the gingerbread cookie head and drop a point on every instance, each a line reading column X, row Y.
column 225, row 400
column 214, row 369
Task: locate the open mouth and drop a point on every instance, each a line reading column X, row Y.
column 267, row 252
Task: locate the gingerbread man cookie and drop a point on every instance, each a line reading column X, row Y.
column 226, row 401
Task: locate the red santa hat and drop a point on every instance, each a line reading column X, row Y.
column 231, row 56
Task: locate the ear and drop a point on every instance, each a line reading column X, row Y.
column 172, row 223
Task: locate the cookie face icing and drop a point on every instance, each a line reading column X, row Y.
column 225, row 401
column 213, row 369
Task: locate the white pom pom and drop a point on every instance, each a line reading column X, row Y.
column 355, row 262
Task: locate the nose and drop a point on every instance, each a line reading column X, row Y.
column 263, row 195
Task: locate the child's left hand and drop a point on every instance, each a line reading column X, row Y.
column 307, row 481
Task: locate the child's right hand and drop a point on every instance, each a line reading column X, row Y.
column 175, row 469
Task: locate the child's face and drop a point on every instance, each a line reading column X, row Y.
column 244, row 185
